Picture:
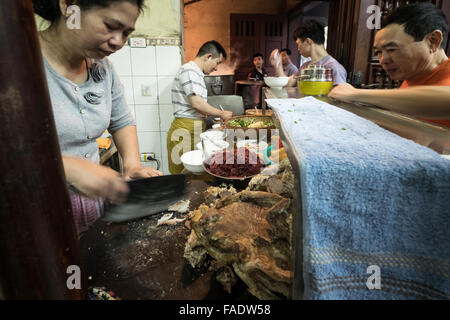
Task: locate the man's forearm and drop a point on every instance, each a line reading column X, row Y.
column 204, row 107
column 422, row 101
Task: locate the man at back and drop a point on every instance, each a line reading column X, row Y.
column 288, row 67
column 258, row 72
column 410, row 47
column 310, row 39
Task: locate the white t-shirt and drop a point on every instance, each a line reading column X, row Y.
column 188, row 80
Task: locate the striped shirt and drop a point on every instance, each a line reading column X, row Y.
column 188, row 80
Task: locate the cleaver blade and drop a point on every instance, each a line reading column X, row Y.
column 148, row 196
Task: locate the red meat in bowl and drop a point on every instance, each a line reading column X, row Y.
column 238, row 163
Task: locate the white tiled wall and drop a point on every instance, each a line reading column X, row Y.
column 147, row 75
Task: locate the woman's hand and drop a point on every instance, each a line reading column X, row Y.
column 127, row 143
column 141, row 172
column 93, row 180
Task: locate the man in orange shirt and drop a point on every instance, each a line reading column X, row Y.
column 410, row 47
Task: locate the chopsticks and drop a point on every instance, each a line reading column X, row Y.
column 221, row 120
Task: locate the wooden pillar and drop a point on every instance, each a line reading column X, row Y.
column 38, row 239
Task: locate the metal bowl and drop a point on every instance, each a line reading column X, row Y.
column 315, row 80
column 316, row 73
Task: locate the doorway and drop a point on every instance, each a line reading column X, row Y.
column 252, row 33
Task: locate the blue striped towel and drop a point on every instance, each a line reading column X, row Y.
column 375, row 207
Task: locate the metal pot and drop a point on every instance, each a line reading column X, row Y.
column 315, row 80
column 220, row 85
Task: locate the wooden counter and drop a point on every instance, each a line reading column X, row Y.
column 424, row 133
column 427, row 134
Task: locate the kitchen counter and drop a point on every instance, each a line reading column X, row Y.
column 138, row 260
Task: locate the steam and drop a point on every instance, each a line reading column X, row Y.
column 228, row 68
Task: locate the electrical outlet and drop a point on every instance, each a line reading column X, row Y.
column 146, row 90
column 146, row 156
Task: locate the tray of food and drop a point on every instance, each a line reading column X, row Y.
column 250, row 122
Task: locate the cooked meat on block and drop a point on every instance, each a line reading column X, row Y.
column 281, row 183
column 249, row 231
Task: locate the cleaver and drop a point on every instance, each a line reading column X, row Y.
column 148, row 196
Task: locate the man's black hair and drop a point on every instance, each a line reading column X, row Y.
column 419, row 19
column 258, row 55
column 212, row 47
column 287, row 50
column 311, row 29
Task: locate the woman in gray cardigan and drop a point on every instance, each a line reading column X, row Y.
column 88, row 98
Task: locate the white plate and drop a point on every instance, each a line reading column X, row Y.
column 212, row 147
column 213, row 135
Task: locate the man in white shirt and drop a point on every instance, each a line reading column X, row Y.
column 189, row 99
column 310, row 39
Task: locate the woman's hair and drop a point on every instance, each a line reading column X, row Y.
column 50, row 11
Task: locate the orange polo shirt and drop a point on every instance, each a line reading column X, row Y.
column 439, row 76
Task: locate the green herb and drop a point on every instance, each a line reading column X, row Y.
column 343, row 129
column 241, row 123
column 295, row 121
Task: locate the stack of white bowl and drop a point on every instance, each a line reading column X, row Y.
column 213, row 140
